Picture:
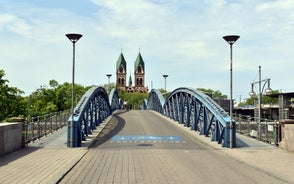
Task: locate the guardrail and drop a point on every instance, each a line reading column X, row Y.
column 270, row 130
column 36, row 127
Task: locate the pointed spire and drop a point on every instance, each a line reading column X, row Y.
column 121, row 61
column 130, row 80
column 139, row 61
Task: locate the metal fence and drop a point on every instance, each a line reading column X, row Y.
column 36, row 127
column 268, row 131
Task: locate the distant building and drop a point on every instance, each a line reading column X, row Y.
column 139, row 75
column 283, row 110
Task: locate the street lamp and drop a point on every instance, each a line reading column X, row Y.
column 268, row 90
column 73, row 38
column 165, row 76
column 108, row 75
column 231, row 39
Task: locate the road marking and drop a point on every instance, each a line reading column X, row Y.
column 146, row 138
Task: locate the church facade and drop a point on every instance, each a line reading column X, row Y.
column 138, row 85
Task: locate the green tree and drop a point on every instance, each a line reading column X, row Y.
column 53, row 83
column 63, row 96
column 212, row 93
column 11, row 102
column 133, row 99
column 266, row 99
column 54, row 98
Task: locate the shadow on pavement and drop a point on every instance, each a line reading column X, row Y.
column 115, row 125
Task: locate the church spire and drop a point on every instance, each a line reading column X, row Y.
column 121, row 61
column 139, row 61
column 130, row 80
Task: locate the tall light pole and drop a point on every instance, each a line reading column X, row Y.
column 268, row 90
column 108, row 75
column 231, row 39
column 73, row 37
column 165, row 76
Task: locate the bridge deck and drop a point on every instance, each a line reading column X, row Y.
column 148, row 159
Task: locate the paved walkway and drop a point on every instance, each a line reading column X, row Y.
column 48, row 160
column 44, row 161
column 267, row 158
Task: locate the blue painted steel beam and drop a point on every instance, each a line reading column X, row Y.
column 155, row 101
column 196, row 110
column 92, row 109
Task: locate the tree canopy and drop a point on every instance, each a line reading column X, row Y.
column 42, row 101
column 212, row 93
column 11, row 101
column 133, row 100
column 53, row 99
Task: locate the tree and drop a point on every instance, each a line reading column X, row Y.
column 11, row 102
column 212, row 93
column 54, row 98
column 53, row 83
column 134, row 99
column 265, row 99
column 42, row 101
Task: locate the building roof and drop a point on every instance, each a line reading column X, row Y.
column 139, row 61
column 287, row 94
column 121, row 61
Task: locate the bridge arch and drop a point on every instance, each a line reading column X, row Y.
column 196, row 110
column 92, row 109
column 114, row 100
column 155, row 101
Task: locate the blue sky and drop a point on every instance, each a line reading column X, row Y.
column 180, row 38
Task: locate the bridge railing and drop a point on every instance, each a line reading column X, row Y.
column 37, row 127
column 155, row 101
column 270, row 130
column 194, row 109
column 93, row 108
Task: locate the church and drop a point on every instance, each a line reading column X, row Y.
column 139, row 75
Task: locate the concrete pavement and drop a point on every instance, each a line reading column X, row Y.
column 264, row 157
column 44, row 161
column 48, row 160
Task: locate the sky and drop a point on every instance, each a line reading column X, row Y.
column 180, row 38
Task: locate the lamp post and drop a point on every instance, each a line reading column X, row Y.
column 73, row 38
column 108, row 75
column 268, row 90
column 231, row 39
column 165, row 76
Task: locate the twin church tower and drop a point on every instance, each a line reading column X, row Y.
column 139, row 74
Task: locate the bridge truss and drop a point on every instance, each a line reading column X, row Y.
column 92, row 109
column 196, row 110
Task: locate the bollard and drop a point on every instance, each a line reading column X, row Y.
column 76, row 140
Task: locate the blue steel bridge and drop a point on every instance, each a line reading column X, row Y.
column 186, row 106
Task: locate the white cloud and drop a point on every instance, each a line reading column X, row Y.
column 14, row 24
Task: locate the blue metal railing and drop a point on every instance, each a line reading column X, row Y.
column 196, row 110
column 93, row 108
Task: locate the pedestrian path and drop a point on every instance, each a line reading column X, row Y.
column 44, row 161
column 262, row 156
column 48, row 160
column 59, row 138
column 35, row 165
